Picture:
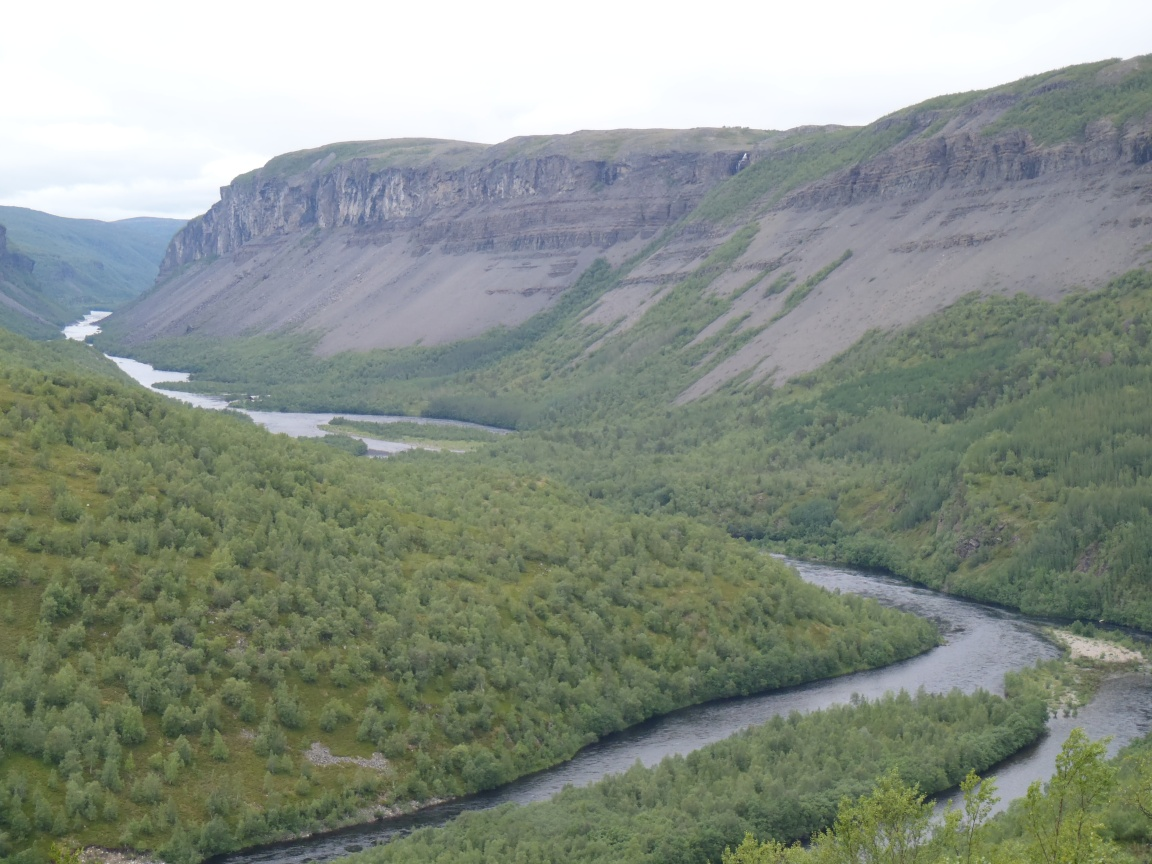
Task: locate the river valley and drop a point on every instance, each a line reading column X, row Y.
column 295, row 424
column 981, row 644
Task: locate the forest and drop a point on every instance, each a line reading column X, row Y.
column 781, row 781
column 998, row 450
column 212, row 637
column 189, row 603
column 470, row 617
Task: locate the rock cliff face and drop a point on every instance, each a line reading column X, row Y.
column 13, row 260
column 383, row 244
column 403, row 242
column 531, row 204
column 961, row 156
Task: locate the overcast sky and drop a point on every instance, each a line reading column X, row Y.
column 118, row 109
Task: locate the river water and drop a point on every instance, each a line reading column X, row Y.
column 296, row 424
column 981, row 644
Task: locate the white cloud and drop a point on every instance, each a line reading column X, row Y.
column 129, row 107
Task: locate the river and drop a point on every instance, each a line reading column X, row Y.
column 981, row 643
column 296, row 424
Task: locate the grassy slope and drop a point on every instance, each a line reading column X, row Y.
column 999, row 450
column 85, row 264
column 942, row 463
column 189, row 602
column 24, row 308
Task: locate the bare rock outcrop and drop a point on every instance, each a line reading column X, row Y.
column 395, row 243
column 382, row 244
column 552, row 202
column 14, row 260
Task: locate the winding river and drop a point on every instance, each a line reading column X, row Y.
column 981, row 644
column 296, row 424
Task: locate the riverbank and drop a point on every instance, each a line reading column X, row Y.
column 1098, row 651
column 982, row 643
column 294, row 424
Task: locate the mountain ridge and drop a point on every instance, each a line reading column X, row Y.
column 371, row 245
column 65, row 267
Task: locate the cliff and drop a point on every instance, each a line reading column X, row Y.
column 492, row 203
column 12, row 260
column 1038, row 186
column 378, row 244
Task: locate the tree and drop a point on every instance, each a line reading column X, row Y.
column 1063, row 821
column 769, row 852
column 890, row 826
column 979, row 799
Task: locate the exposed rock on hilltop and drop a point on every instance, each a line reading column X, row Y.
column 1037, row 186
column 935, row 217
column 499, row 200
column 393, row 242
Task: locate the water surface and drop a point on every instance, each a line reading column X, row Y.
column 981, row 644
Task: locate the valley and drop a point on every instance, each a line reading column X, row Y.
column 627, row 372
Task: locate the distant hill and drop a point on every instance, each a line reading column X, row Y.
column 24, row 307
column 54, row 269
column 1041, row 185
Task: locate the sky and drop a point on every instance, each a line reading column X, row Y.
column 118, row 109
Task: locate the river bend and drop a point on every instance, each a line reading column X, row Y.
column 981, row 643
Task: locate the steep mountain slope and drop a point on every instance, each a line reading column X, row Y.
column 83, row 264
column 392, row 243
column 24, row 306
column 1037, row 186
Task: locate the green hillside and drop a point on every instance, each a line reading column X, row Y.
column 227, row 598
column 997, row 450
column 781, row 780
column 696, row 809
column 25, row 308
column 190, row 603
column 84, row 264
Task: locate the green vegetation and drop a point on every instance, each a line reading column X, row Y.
column 781, row 780
column 780, row 284
column 437, row 436
column 1059, row 106
column 189, row 603
column 84, row 264
column 1090, row 811
column 474, row 617
column 686, row 809
column 997, row 450
column 540, row 373
column 407, row 430
column 797, row 160
column 806, row 287
column 26, row 309
column 346, row 443
column 1053, row 107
